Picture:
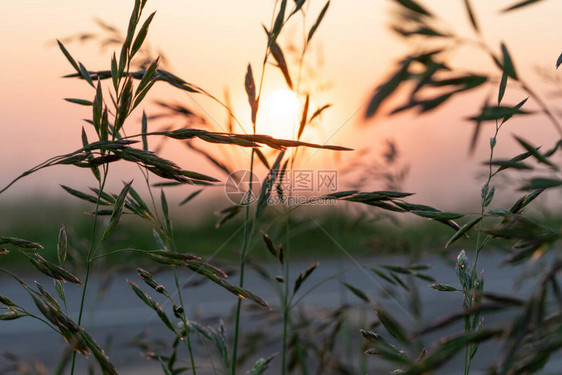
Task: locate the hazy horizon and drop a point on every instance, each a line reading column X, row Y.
column 210, row 45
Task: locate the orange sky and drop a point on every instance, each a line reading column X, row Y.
column 210, row 43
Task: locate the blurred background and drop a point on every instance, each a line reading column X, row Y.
column 210, row 44
column 438, row 155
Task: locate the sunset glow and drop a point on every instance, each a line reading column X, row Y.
column 281, row 112
column 352, row 52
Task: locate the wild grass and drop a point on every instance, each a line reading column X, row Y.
column 128, row 231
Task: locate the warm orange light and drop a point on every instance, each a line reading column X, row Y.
column 279, row 114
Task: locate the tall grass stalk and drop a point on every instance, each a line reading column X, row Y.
column 91, row 255
column 286, row 302
column 242, row 265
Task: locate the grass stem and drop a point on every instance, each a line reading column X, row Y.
column 89, row 260
column 245, row 242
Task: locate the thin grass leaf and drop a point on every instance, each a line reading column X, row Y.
column 551, row 152
column 261, row 366
column 278, row 24
column 471, row 15
column 281, row 63
column 359, row 293
column 85, row 74
column 59, row 288
column 270, row 246
column 463, row 230
column 62, row 245
column 133, row 22
column 198, row 176
column 107, row 368
column 503, row 85
column 6, row 301
column 262, row 158
column 47, row 297
column 524, row 201
column 398, row 269
column 267, row 187
column 281, row 255
column 367, row 197
column 520, row 4
column 383, row 276
column 165, row 211
column 153, row 305
column 117, row 211
column 542, row 183
column 534, row 152
column 384, row 349
column 298, row 5
column 250, row 87
column 444, row 288
column 304, row 117
column 508, row 66
column 391, row 325
column 141, row 35
column 414, row 6
column 142, row 94
column 438, row 215
column 400, row 282
column 448, row 348
column 341, row 194
column 97, row 108
column 318, row 21
column 105, row 127
column 79, row 101
column 301, row 278
column 190, row 197
column 517, row 106
column 492, row 113
column 319, row 111
column 505, row 164
column 239, row 292
column 173, row 258
column 424, row 105
column 245, row 140
column 20, row 243
column 385, row 90
column 52, row 270
column 148, row 77
column 68, row 56
column 227, row 214
column 165, row 369
column 144, row 130
column 504, row 299
column 489, row 197
column 115, row 77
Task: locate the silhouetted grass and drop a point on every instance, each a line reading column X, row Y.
column 125, row 230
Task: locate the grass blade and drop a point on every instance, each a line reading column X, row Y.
column 359, row 293
column 465, row 228
column 250, row 87
column 141, row 35
column 317, row 23
column 471, row 15
column 117, row 211
column 520, row 4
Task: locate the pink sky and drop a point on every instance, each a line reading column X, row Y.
column 210, row 43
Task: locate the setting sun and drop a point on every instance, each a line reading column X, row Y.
column 280, row 114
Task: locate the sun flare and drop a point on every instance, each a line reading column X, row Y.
column 280, row 114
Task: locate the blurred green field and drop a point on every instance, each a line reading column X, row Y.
column 322, row 234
